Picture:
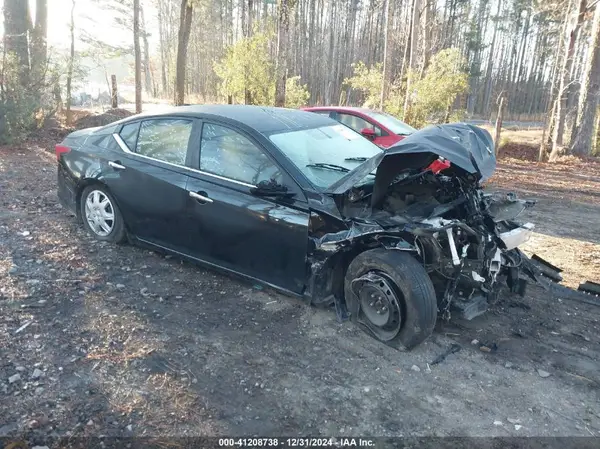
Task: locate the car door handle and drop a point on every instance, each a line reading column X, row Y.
column 116, row 165
column 201, row 198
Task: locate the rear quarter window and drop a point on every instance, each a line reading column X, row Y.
column 106, row 142
column 129, row 135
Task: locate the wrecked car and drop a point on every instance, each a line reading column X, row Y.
column 299, row 202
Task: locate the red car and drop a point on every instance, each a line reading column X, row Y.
column 383, row 129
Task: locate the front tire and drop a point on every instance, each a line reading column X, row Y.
column 391, row 296
column 101, row 215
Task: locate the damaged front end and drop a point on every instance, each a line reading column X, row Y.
column 425, row 196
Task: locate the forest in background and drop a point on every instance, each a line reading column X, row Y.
column 425, row 61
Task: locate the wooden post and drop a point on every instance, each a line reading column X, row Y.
column 114, row 96
column 499, row 124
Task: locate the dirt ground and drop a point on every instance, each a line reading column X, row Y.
column 98, row 339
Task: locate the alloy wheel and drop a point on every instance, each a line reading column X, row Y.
column 99, row 213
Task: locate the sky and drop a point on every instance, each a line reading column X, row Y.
column 90, row 15
column 93, row 17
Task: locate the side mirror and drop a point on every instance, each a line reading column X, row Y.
column 270, row 188
column 369, row 133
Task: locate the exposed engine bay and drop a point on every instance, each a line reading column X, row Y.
column 424, row 197
column 464, row 237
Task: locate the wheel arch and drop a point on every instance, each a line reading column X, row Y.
column 81, row 187
column 328, row 275
column 87, row 182
column 90, row 182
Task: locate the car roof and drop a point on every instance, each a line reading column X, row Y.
column 340, row 109
column 264, row 119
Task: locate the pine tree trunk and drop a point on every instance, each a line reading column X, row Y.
column 427, row 40
column 114, row 93
column 520, row 63
column 490, row 64
column 138, row 56
column 589, row 96
column 39, row 47
column 329, row 89
column 414, row 39
column 250, row 18
column 71, row 62
column 385, row 78
column 498, row 127
column 242, row 9
column 163, row 50
column 283, row 27
column 183, row 38
column 15, row 37
column 147, row 74
column 561, row 109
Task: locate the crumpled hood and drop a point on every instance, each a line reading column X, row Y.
column 467, row 147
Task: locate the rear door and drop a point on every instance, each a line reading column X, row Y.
column 265, row 238
column 148, row 178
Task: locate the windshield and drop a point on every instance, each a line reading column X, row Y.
column 325, row 154
column 391, row 123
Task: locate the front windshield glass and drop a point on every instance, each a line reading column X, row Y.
column 325, row 154
column 391, row 123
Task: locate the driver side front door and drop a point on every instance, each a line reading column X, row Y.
column 261, row 237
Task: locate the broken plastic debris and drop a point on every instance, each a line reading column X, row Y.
column 22, row 328
column 543, row 373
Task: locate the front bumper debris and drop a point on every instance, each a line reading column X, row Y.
column 516, row 237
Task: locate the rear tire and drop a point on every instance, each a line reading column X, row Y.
column 409, row 311
column 101, row 216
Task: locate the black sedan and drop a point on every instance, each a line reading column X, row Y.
column 301, row 203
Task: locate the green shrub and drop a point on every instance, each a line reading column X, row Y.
column 248, row 67
column 296, row 94
column 433, row 95
column 368, row 81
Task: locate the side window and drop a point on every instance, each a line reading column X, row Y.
column 106, row 141
column 227, row 153
column 164, row 139
column 129, row 134
column 358, row 124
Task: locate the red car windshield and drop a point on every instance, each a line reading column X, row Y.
column 391, row 123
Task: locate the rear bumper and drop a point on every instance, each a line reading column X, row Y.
column 66, row 190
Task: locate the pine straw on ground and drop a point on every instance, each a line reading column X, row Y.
column 567, row 215
column 521, row 151
column 570, row 178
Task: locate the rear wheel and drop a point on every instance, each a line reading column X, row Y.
column 101, row 216
column 390, row 295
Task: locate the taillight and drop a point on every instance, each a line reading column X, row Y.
column 61, row 149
